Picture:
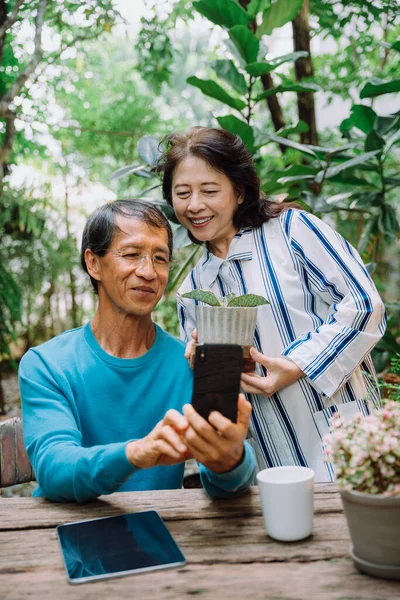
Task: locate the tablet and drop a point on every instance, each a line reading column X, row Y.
column 115, row 546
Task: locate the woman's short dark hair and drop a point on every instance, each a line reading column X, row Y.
column 101, row 227
column 226, row 153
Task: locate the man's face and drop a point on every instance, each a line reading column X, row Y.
column 133, row 273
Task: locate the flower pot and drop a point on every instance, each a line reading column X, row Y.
column 226, row 325
column 374, row 525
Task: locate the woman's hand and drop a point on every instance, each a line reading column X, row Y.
column 218, row 443
column 281, row 373
column 189, row 351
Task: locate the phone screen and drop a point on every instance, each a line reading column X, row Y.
column 113, row 546
column 217, row 371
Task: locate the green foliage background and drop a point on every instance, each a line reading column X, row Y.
column 100, row 99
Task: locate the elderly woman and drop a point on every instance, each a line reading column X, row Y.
column 312, row 342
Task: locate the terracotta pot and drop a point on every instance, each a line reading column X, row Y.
column 226, row 325
column 374, row 525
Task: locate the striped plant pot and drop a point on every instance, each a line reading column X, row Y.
column 226, row 325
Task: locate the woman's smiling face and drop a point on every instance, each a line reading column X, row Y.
column 205, row 201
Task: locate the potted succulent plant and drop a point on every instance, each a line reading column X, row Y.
column 229, row 320
column 366, row 454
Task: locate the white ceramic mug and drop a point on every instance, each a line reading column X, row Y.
column 287, row 502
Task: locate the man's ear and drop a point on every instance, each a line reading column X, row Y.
column 92, row 264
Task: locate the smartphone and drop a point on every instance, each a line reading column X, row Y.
column 217, row 370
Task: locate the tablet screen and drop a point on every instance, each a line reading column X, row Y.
column 113, row 546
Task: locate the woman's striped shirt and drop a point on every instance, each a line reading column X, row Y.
column 325, row 314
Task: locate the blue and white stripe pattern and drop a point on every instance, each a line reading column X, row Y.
column 324, row 314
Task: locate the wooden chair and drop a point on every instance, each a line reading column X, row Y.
column 14, row 462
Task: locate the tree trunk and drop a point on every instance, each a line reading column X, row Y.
column 267, row 83
column 273, row 104
column 6, row 148
column 72, row 283
column 28, row 339
column 3, row 18
column 2, row 399
column 48, row 303
column 304, row 69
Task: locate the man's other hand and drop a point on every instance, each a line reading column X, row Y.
column 218, row 442
column 162, row 446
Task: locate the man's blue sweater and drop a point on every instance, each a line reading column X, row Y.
column 81, row 406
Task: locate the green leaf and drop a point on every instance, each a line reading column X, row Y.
column 228, row 298
column 362, row 117
column 367, row 200
column 268, row 93
column 271, row 186
column 388, row 223
column 335, row 154
column 278, row 14
column 384, row 125
column 148, row 149
column 291, row 144
column 337, row 151
column 125, row 171
column 294, row 179
column 377, row 87
column 299, row 127
column 181, row 238
column 373, row 141
column 396, row 46
column 368, row 239
column 246, row 42
column 389, row 343
column 262, row 68
column 304, row 86
column 358, row 160
column 226, row 13
column 248, row 300
column 348, row 178
column 289, row 87
column 240, row 128
column 256, row 6
column 337, row 198
column 203, row 296
column 212, row 89
column 151, row 188
column 181, row 270
column 226, row 70
column 256, row 69
column 392, row 182
column 391, row 141
column 370, row 267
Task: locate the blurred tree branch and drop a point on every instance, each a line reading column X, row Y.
column 6, row 22
column 9, row 21
column 19, row 83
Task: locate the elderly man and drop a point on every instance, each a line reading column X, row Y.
column 102, row 404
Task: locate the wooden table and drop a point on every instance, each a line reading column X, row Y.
column 229, row 554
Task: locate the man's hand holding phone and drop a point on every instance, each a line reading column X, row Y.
column 164, row 445
column 219, row 443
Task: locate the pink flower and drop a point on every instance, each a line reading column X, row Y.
column 366, row 450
